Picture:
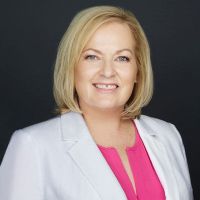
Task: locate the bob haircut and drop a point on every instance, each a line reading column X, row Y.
column 80, row 30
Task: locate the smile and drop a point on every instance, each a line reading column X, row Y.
column 106, row 87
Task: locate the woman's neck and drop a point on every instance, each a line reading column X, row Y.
column 108, row 129
column 106, row 121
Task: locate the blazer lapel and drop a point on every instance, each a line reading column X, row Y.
column 157, row 152
column 88, row 157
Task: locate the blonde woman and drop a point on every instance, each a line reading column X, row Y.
column 99, row 146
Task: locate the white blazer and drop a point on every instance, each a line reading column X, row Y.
column 59, row 160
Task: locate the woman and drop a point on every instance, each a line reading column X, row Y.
column 99, row 146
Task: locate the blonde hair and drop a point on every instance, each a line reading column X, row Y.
column 80, row 30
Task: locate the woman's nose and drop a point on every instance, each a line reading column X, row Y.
column 108, row 69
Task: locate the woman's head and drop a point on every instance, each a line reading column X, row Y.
column 79, row 33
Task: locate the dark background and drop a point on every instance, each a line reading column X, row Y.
column 30, row 32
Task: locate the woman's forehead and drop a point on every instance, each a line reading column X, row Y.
column 111, row 35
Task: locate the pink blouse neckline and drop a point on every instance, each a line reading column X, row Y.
column 131, row 148
column 148, row 185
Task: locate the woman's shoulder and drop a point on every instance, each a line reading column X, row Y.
column 44, row 129
column 163, row 131
column 159, row 127
column 45, row 125
column 154, row 122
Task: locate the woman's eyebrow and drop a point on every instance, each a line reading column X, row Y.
column 96, row 50
column 118, row 51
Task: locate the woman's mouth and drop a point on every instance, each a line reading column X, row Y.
column 105, row 87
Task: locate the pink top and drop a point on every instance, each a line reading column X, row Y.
column 148, row 186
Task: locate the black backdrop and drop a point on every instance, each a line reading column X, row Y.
column 30, row 31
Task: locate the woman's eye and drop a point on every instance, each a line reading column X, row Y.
column 91, row 57
column 123, row 58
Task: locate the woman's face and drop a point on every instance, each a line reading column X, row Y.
column 107, row 70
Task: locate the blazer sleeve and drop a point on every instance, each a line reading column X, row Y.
column 185, row 166
column 20, row 171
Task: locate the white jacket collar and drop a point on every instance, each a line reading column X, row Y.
column 74, row 127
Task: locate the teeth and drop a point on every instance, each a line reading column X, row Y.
column 103, row 86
